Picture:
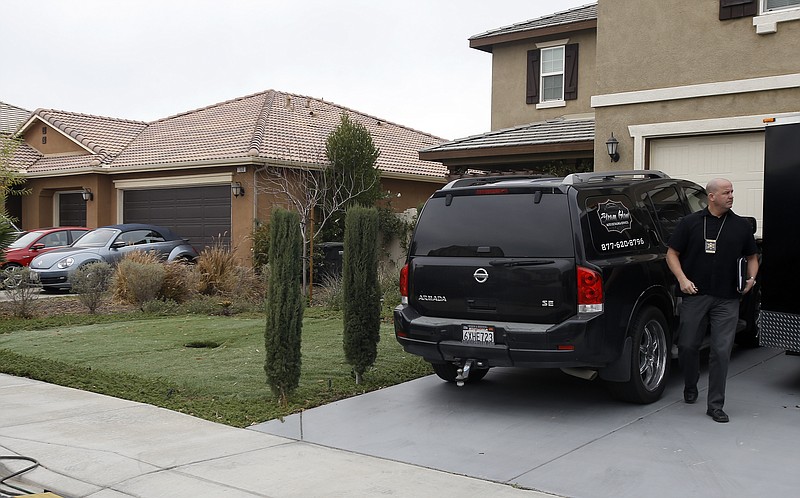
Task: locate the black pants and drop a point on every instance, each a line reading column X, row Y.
column 722, row 315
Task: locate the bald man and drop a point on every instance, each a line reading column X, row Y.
column 703, row 253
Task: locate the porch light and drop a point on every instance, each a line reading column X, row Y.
column 237, row 189
column 612, row 144
column 86, row 193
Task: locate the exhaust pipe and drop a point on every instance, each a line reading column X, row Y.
column 581, row 373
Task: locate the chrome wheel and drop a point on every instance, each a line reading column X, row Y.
column 653, row 355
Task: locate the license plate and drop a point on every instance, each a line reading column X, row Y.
column 477, row 334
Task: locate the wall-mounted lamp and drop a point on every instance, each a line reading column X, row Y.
column 237, row 189
column 86, row 193
column 612, row 144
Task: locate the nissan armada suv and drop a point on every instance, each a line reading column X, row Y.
column 567, row 273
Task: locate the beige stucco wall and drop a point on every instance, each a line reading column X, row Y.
column 509, row 76
column 49, row 140
column 617, row 119
column 657, row 44
column 412, row 193
column 645, row 44
column 37, row 207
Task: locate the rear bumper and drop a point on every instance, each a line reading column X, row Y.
column 577, row 342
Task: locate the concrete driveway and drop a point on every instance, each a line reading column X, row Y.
column 544, row 430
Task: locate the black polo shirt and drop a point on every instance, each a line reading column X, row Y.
column 713, row 274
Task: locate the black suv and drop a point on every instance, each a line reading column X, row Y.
column 548, row 272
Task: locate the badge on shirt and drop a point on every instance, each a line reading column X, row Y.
column 711, row 246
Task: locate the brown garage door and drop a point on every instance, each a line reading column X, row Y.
column 200, row 214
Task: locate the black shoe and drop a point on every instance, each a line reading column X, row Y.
column 718, row 415
column 690, row 395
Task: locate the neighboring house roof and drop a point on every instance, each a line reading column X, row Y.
column 584, row 17
column 103, row 138
column 270, row 127
column 553, row 135
column 11, row 117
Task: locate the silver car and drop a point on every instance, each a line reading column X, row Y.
column 109, row 244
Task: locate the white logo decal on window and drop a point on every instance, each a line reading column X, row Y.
column 614, row 216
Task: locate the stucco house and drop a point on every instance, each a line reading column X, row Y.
column 683, row 85
column 199, row 172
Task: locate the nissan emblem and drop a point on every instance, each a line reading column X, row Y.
column 481, row 275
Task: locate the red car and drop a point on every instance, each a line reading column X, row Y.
column 35, row 242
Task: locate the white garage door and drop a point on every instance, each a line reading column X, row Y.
column 738, row 157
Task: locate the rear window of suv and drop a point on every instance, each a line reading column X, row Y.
column 525, row 224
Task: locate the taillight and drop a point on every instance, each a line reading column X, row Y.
column 404, row 284
column 590, row 291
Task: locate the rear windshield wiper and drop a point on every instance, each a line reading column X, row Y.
column 521, row 262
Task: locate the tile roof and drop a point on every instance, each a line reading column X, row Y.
column 552, row 131
column 574, row 15
column 11, row 117
column 269, row 126
column 104, row 137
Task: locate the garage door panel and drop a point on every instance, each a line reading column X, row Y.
column 200, row 214
column 738, row 157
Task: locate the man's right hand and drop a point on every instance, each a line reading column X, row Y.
column 688, row 287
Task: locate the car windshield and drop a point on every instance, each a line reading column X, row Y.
column 25, row 240
column 96, row 238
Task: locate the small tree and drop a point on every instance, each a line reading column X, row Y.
column 322, row 193
column 22, row 291
column 10, row 182
column 361, row 289
column 352, row 155
column 284, row 305
column 91, row 283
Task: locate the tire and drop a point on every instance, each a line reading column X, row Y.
column 449, row 372
column 6, row 280
column 650, row 359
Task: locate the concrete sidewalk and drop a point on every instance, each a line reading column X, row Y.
column 90, row 445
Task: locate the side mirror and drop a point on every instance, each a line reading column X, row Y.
column 37, row 247
column 117, row 245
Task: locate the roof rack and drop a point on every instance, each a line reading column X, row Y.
column 607, row 176
column 485, row 180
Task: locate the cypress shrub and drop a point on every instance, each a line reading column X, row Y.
column 361, row 289
column 284, row 304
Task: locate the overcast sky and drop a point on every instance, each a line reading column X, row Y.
column 403, row 61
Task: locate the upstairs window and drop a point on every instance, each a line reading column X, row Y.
column 773, row 5
column 552, row 83
column 552, row 74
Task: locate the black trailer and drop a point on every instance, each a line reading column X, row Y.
column 779, row 320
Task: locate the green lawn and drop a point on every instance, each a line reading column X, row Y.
column 148, row 360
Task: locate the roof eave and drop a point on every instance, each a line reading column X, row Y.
column 234, row 161
column 487, row 43
column 511, row 150
column 391, row 175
